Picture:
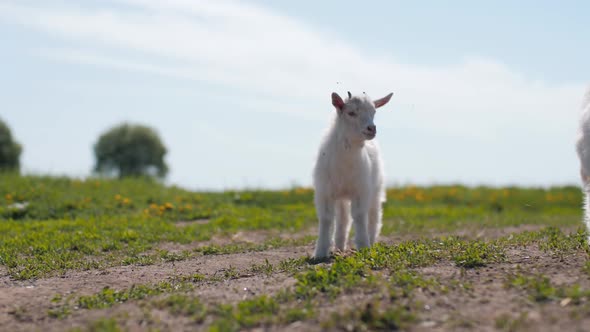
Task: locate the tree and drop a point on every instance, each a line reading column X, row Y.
column 130, row 150
column 10, row 150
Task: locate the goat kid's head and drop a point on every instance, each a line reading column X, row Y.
column 357, row 113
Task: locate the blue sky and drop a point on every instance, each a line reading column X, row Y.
column 485, row 92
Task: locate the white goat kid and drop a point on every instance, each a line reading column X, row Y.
column 583, row 148
column 348, row 176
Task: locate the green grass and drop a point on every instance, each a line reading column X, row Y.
column 87, row 224
column 73, row 224
column 109, row 297
column 349, row 272
column 271, row 243
column 382, row 269
column 381, row 266
column 370, row 318
column 445, row 208
column 249, row 313
column 183, row 305
column 51, row 225
column 538, row 287
column 101, row 325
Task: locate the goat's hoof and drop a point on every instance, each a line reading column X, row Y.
column 318, row 260
column 338, row 252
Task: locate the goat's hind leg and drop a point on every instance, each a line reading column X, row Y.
column 375, row 214
column 360, row 216
column 343, row 223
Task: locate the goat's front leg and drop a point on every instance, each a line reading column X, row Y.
column 325, row 211
column 360, row 215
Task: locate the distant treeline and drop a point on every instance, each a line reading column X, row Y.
column 126, row 150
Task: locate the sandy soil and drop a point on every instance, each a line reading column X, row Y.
column 24, row 304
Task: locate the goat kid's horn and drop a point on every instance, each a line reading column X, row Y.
column 349, row 95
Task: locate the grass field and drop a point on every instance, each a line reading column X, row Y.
column 102, row 255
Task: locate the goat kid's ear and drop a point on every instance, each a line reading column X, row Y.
column 380, row 102
column 337, row 101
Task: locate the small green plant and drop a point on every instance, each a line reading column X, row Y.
column 104, row 325
column 476, row 254
column 538, row 287
column 508, row 323
column 193, row 278
column 60, row 312
column 408, row 281
column 230, row 273
column 297, row 314
column 20, row 313
column 265, row 268
column 293, row 265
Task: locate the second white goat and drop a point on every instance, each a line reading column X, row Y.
column 583, row 149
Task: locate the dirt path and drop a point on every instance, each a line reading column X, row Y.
column 490, row 301
column 24, row 304
column 34, row 297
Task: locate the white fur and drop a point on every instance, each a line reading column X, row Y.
column 348, row 177
column 583, row 148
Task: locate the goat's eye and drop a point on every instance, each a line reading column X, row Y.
column 353, row 114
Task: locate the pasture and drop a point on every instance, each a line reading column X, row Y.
column 106, row 255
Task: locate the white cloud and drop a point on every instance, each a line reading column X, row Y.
column 269, row 54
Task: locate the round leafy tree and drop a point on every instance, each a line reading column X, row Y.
column 130, row 150
column 10, row 150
